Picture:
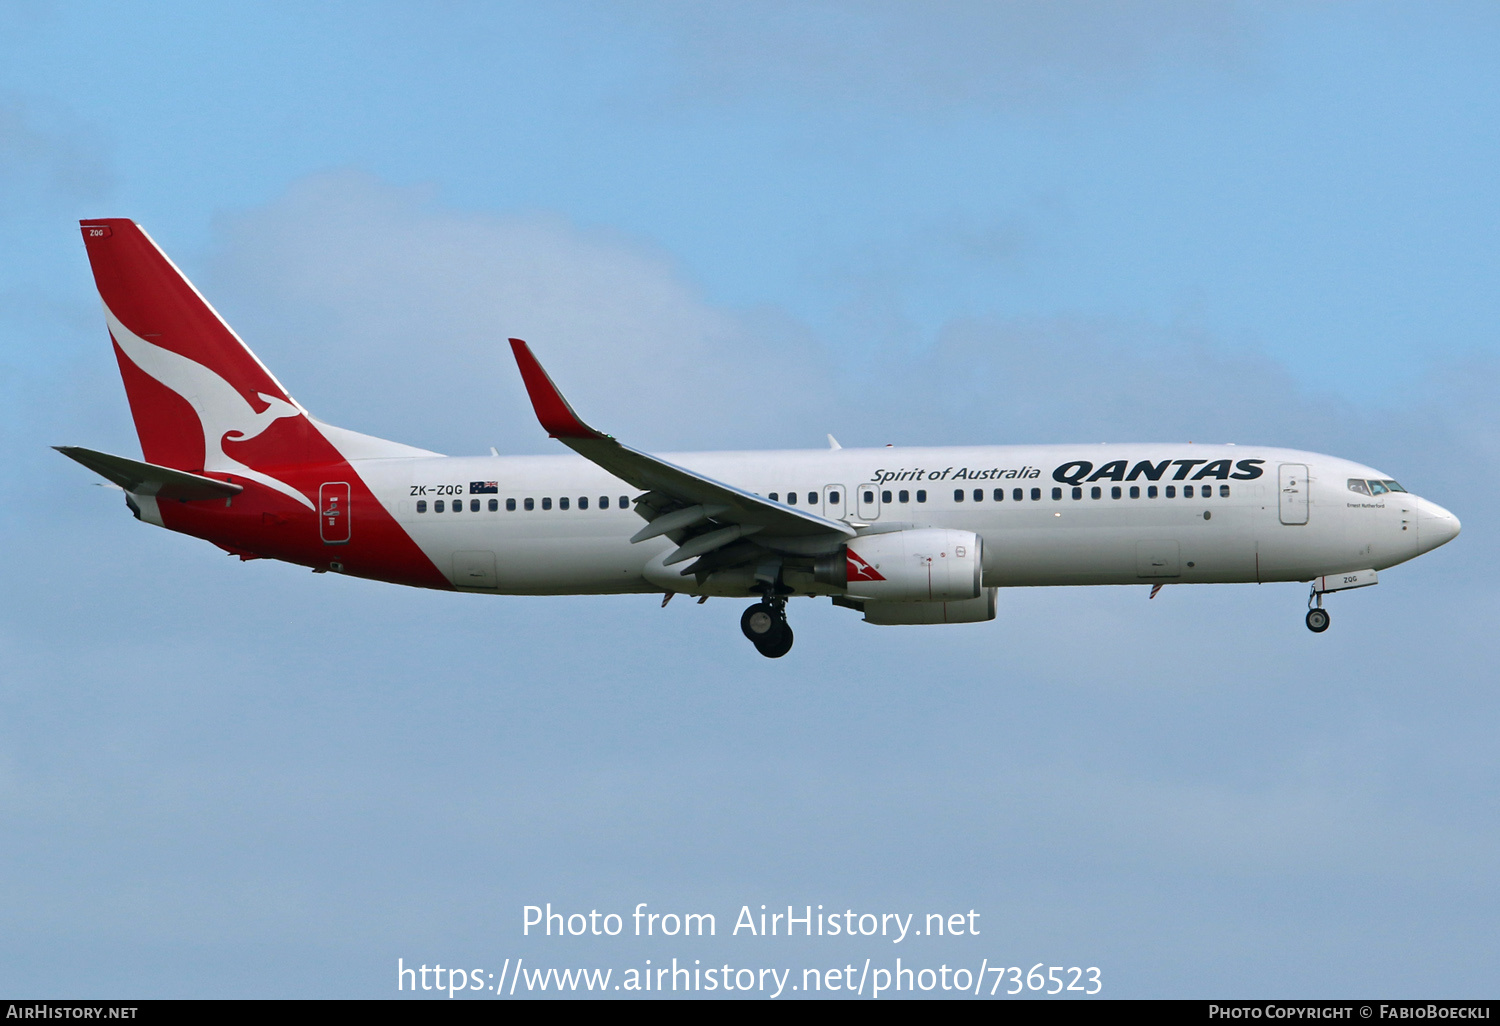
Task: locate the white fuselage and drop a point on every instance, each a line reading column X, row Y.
column 1296, row 520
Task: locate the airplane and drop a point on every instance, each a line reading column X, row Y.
column 901, row 535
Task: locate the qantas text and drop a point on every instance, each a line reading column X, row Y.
column 1079, row 471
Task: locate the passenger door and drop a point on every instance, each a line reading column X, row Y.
column 868, row 502
column 1294, row 493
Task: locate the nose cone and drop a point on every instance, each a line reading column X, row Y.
column 1435, row 525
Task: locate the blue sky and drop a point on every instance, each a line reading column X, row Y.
column 746, row 225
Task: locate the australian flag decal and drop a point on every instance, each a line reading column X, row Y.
column 483, row 487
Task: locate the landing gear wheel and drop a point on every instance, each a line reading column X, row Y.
column 1317, row 620
column 765, row 625
column 759, row 622
column 777, row 646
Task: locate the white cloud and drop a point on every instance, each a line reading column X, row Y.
column 385, row 312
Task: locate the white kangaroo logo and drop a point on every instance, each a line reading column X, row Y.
column 223, row 413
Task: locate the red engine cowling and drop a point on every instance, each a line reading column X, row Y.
column 924, row 565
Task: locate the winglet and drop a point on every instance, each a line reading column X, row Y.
column 552, row 409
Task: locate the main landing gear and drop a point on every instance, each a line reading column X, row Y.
column 765, row 625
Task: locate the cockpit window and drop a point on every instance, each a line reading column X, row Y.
column 1358, row 485
column 1393, row 486
column 1378, row 488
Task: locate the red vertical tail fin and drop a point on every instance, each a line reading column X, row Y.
column 204, row 404
column 201, row 400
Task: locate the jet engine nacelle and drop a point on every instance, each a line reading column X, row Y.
column 923, row 565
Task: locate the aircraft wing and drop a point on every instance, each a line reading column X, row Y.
column 701, row 514
column 148, row 478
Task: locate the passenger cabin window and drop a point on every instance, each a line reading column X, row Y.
column 869, row 497
column 904, row 495
column 547, row 502
column 1018, row 494
column 1056, row 494
column 437, row 506
column 494, row 505
column 624, row 502
column 999, row 494
column 1114, row 493
column 510, row 505
column 833, row 497
column 1171, row 491
column 791, row 498
column 583, row 502
column 1036, row 495
column 458, row 505
column 921, row 495
column 885, row 496
column 1096, row 492
column 421, row 505
column 1151, row 491
column 1223, row 491
column 774, row 496
column 979, row 495
column 604, row 502
column 1135, row 491
column 812, row 498
column 563, row 503
column 1187, row 491
column 473, row 505
column 958, row 495
column 530, row 505
column 1077, row 492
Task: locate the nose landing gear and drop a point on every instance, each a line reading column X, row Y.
column 765, row 625
column 1317, row 616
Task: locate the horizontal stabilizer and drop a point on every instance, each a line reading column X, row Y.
column 149, row 479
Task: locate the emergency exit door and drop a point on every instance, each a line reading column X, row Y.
column 834, row 497
column 1293, row 493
